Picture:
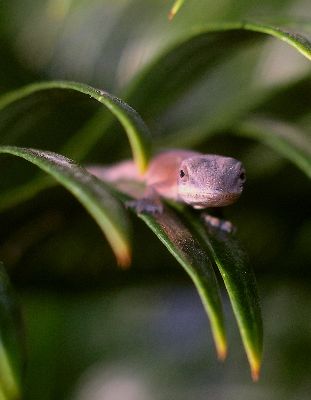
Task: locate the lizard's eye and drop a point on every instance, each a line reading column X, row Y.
column 183, row 174
column 242, row 176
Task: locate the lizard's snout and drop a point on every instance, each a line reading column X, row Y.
column 232, row 180
column 240, row 178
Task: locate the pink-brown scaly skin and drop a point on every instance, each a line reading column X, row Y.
column 200, row 180
column 163, row 172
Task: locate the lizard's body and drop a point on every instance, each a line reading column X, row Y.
column 200, row 180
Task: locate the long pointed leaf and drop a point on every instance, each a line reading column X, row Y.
column 287, row 140
column 91, row 192
column 175, row 8
column 174, row 234
column 134, row 126
column 241, row 286
column 191, row 56
column 11, row 346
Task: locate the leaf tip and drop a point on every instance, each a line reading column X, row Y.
column 255, row 370
column 254, row 358
column 220, row 341
column 171, row 15
column 222, row 350
column 124, row 258
column 222, row 354
column 175, row 8
column 142, row 167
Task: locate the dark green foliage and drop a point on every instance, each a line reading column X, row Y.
column 233, row 87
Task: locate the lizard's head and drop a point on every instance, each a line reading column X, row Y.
column 210, row 181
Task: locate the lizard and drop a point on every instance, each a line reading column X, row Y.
column 190, row 177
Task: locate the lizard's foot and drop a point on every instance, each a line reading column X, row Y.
column 221, row 224
column 146, row 205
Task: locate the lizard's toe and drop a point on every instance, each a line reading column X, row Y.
column 222, row 224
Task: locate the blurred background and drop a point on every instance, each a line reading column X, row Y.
column 95, row 332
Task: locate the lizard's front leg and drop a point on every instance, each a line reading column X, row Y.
column 150, row 203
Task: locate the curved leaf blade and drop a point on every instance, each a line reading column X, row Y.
column 295, row 40
column 240, row 283
column 187, row 250
column 11, row 346
column 175, row 8
column 191, row 56
column 136, row 129
column 91, row 193
column 287, row 140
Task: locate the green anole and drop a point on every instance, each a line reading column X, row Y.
column 199, row 180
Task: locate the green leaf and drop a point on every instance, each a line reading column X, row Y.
column 134, row 126
column 188, row 251
column 176, row 7
column 286, row 139
column 92, row 194
column 295, row 40
column 240, row 283
column 199, row 50
column 196, row 247
column 11, row 346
